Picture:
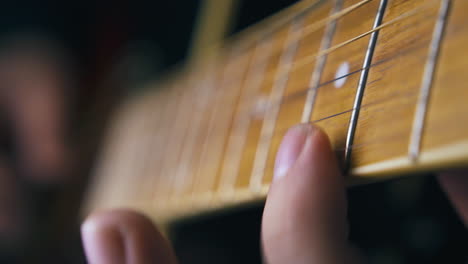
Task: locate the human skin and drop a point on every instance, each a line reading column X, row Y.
column 304, row 219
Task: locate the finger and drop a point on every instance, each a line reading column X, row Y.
column 304, row 220
column 123, row 236
column 33, row 84
column 455, row 185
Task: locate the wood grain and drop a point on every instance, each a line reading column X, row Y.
column 190, row 145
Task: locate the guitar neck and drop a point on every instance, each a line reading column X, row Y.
column 386, row 79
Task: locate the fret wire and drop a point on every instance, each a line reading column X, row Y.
column 362, row 35
column 153, row 128
column 409, row 94
column 302, row 92
column 297, row 94
column 226, row 128
column 277, row 92
column 165, row 145
column 204, row 147
column 183, row 173
column 318, row 24
column 176, row 138
column 354, row 146
column 304, row 62
column 310, row 58
column 183, row 137
column 335, row 16
column 320, row 65
column 390, row 138
column 362, row 84
column 198, row 178
column 238, row 138
column 291, row 97
column 427, row 81
column 187, row 171
column 364, row 106
column 321, row 23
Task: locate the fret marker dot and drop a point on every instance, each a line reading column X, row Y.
column 342, row 71
column 260, row 107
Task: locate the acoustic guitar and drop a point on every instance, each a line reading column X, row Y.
column 387, row 80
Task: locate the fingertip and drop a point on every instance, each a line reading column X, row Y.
column 124, row 236
column 290, row 149
column 305, row 214
column 102, row 240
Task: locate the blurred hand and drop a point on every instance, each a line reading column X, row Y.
column 32, row 127
column 304, row 220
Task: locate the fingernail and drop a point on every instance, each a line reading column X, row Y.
column 103, row 242
column 290, row 149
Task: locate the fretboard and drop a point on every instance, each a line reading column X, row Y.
column 385, row 79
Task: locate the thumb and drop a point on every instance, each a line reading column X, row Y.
column 304, row 220
column 123, row 236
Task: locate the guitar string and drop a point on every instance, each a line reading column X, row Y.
column 345, row 43
column 339, row 14
column 319, row 66
column 410, row 94
column 361, row 87
column 285, row 101
column 308, row 59
column 318, row 24
column 164, row 142
column 211, row 129
column 201, row 105
column 299, row 93
column 323, row 84
column 209, row 179
column 305, row 61
column 270, row 117
column 377, row 102
column 357, row 37
column 238, row 137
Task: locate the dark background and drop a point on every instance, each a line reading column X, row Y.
column 407, row 220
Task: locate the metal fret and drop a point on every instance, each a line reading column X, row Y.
column 218, row 127
column 162, row 144
column 320, row 65
column 183, row 176
column 238, row 137
column 277, row 92
column 427, row 80
column 362, row 83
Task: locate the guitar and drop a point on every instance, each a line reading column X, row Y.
column 385, row 79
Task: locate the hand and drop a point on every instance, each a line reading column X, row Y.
column 33, row 152
column 304, row 220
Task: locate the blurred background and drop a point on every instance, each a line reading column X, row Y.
column 90, row 56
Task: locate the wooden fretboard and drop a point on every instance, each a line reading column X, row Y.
column 386, row 79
